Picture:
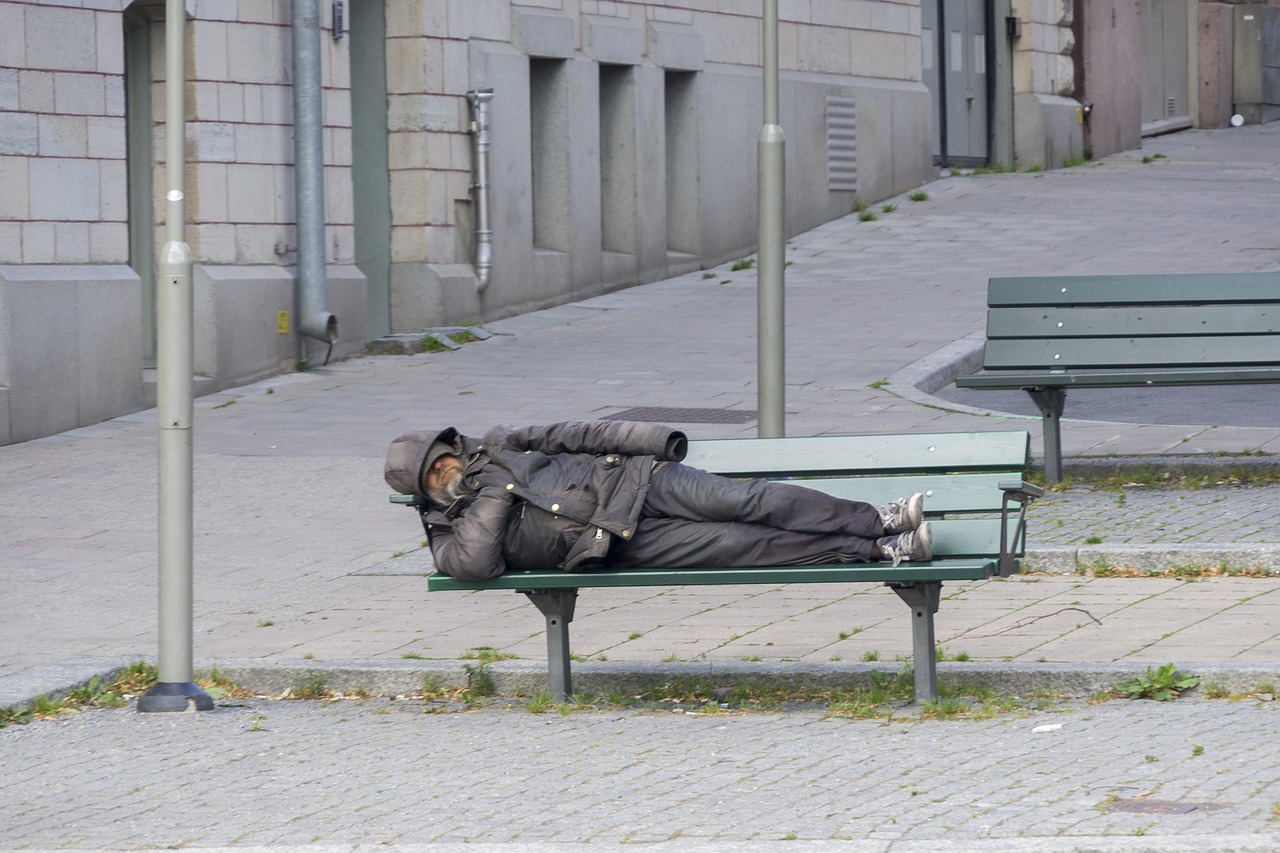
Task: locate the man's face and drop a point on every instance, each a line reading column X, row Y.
column 443, row 479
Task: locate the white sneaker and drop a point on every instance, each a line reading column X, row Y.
column 903, row 514
column 913, row 546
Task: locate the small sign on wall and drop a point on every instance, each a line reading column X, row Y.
column 282, row 322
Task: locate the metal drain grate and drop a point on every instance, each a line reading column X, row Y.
column 664, row 415
column 1161, row 807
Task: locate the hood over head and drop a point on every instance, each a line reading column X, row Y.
column 412, row 453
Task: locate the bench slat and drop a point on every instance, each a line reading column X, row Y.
column 943, row 570
column 971, row 542
column 1133, row 320
column 966, row 537
column 1186, row 288
column 950, row 493
column 1216, row 351
column 862, row 454
column 1123, row 378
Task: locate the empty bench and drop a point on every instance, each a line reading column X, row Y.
column 1045, row 335
column 975, row 498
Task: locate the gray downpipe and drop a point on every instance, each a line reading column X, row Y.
column 314, row 320
column 479, row 99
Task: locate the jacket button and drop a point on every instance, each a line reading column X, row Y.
column 510, row 486
column 626, row 534
column 555, row 507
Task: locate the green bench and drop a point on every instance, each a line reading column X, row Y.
column 1045, row 335
column 976, row 500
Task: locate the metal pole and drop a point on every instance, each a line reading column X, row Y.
column 175, row 689
column 314, row 320
column 770, row 309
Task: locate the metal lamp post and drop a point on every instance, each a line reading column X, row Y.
column 770, row 304
column 175, row 690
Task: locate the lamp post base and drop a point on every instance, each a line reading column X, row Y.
column 173, row 697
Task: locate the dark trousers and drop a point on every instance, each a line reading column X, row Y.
column 692, row 518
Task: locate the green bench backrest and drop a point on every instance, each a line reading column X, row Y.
column 1134, row 321
column 959, row 473
column 835, row 455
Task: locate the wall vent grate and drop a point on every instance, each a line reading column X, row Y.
column 842, row 144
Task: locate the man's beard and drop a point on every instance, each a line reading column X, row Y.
column 445, row 496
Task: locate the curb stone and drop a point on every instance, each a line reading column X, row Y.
column 1152, row 559
column 55, row 681
column 917, row 382
column 603, row 678
column 515, row 678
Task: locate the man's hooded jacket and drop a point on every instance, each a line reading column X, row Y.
column 547, row 497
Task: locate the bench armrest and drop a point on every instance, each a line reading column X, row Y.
column 1014, row 541
column 1021, row 490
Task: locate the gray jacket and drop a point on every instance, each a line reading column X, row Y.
column 548, row 497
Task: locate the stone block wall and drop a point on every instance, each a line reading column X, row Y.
column 1048, row 127
column 240, row 135
column 560, row 72
column 62, row 162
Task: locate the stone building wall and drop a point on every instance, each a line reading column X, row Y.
column 624, row 152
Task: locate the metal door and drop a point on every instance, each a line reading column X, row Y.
column 370, row 171
column 1166, row 102
column 954, row 65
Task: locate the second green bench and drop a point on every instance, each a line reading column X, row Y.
column 1045, row 335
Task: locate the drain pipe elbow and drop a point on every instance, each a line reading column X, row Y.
column 479, row 99
column 321, row 325
column 484, row 263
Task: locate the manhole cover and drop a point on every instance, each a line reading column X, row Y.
column 659, row 414
column 1160, row 807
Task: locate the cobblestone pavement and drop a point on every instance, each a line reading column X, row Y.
column 1227, row 514
column 384, row 774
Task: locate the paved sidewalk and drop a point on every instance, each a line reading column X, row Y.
column 297, row 566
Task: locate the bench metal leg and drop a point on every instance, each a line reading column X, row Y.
column 557, row 605
column 1051, row 401
column 923, row 600
column 1015, row 542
